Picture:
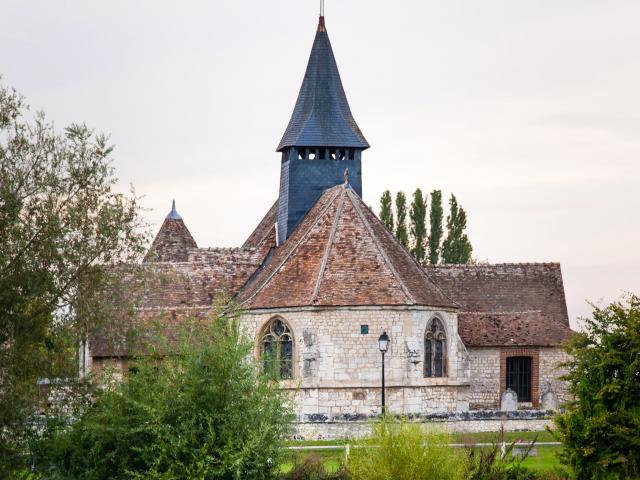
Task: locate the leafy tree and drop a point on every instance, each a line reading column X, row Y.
column 401, row 222
column 205, row 411
column 456, row 248
column 600, row 426
column 435, row 231
column 418, row 217
column 386, row 212
column 59, row 220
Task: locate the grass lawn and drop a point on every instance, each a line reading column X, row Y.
column 545, row 461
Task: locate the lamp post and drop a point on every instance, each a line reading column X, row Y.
column 383, row 345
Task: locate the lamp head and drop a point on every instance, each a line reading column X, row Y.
column 383, row 342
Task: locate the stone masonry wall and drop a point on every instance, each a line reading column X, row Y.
column 485, row 378
column 551, row 371
column 488, row 374
column 337, row 368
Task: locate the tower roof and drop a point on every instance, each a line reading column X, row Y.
column 321, row 116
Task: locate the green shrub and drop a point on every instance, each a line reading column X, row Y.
column 406, row 450
column 312, row 467
column 600, row 426
column 202, row 413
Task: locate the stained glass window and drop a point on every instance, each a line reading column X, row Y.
column 435, row 350
column 277, row 350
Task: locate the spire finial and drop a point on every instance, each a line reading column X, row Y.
column 173, row 214
column 346, row 176
column 321, row 27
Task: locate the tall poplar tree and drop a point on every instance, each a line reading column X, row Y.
column 418, row 227
column 436, row 229
column 456, row 247
column 386, row 211
column 401, row 222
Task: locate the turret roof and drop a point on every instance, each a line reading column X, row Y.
column 173, row 241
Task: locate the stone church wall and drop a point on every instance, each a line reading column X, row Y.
column 337, row 368
column 488, row 375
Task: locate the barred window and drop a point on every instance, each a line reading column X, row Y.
column 277, row 350
column 435, row 350
column 519, row 377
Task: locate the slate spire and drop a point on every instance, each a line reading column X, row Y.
column 321, row 116
column 322, row 139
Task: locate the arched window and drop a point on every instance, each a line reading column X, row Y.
column 277, row 350
column 435, row 350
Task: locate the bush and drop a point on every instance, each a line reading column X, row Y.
column 203, row 413
column 312, row 468
column 600, row 426
column 495, row 464
column 405, row 450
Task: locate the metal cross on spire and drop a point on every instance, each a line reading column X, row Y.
column 322, row 8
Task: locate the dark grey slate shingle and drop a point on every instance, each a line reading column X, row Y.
column 321, row 116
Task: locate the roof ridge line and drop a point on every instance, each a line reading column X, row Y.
column 381, row 250
column 284, row 260
column 498, row 312
column 325, row 257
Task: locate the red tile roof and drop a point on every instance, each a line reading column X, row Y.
column 507, row 304
column 263, row 237
column 341, row 255
column 172, row 243
column 197, row 282
column 505, row 329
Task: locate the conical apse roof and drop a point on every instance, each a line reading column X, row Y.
column 341, row 255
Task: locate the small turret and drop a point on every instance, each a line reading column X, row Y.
column 173, row 241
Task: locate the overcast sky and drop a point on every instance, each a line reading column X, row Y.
column 529, row 111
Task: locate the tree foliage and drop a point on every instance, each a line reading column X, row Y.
column 401, row 219
column 203, row 412
column 386, row 211
column 59, row 220
column 600, row 426
column 456, row 247
column 427, row 245
column 435, row 227
column 418, row 225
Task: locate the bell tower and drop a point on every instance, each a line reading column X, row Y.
column 321, row 141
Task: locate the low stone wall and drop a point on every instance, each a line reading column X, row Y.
column 464, row 422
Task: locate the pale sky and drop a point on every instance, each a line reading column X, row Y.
column 529, row 111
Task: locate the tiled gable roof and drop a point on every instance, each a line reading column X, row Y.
column 505, row 329
column 321, row 116
column 199, row 280
column 507, row 304
column 263, row 236
column 341, row 255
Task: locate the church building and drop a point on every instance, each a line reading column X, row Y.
column 321, row 278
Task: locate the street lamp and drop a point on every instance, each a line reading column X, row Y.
column 383, row 344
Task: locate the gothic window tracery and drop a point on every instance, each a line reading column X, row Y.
column 435, row 350
column 277, row 350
